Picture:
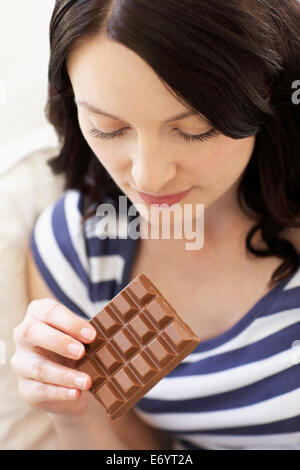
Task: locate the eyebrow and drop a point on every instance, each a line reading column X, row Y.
column 93, row 109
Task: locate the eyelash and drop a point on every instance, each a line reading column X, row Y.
column 186, row 137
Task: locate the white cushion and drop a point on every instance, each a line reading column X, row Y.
column 25, row 190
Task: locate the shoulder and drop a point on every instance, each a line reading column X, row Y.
column 81, row 268
column 64, row 213
column 59, row 249
column 58, row 233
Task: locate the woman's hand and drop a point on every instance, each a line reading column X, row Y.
column 47, row 341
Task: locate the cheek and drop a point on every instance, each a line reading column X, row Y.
column 225, row 160
column 110, row 156
column 110, row 159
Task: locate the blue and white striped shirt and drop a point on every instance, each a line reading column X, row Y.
column 239, row 390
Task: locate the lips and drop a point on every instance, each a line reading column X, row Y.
column 169, row 199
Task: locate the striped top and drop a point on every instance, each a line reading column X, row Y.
column 239, row 390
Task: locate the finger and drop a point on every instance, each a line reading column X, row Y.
column 36, row 367
column 39, row 334
column 58, row 316
column 35, row 392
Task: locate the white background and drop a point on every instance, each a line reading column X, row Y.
column 24, row 56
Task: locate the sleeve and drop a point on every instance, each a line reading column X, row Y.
column 59, row 250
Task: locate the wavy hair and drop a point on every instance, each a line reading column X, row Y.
column 234, row 62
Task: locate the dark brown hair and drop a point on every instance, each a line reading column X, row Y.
column 235, row 62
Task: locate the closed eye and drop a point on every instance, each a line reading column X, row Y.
column 186, row 137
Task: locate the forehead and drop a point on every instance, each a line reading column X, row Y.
column 114, row 77
column 107, row 58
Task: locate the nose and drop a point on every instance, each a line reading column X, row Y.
column 152, row 168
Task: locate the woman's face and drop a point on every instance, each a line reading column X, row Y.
column 150, row 156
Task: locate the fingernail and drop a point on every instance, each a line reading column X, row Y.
column 72, row 393
column 80, row 382
column 75, row 349
column 87, row 333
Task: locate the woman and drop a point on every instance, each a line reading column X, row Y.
column 151, row 99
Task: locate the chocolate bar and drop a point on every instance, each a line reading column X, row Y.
column 140, row 339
